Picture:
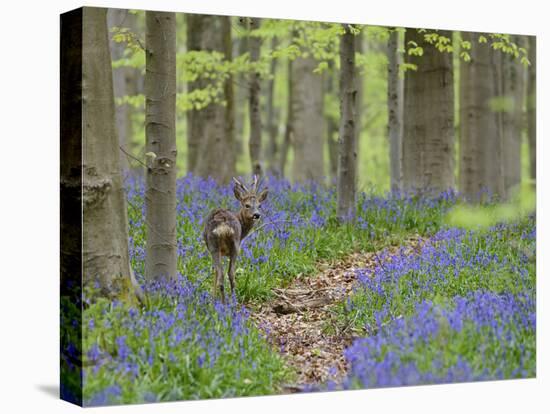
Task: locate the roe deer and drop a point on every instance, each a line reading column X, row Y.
column 224, row 230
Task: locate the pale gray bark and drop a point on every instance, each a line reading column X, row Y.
column 331, row 85
column 210, row 137
column 271, row 124
column 287, row 139
column 124, row 82
column 532, row 107
column 395, row 110
column 196, row 24
column 347, row 154
column 229, row 113
column 360, row 107
column 497, row 59
column 255, row 116
column 160, row 134
column 115, row 18
column 480, row 140
column 241, row 90
column 428, row 133
column 105, row 229
column 512, row 118
column 308, row 121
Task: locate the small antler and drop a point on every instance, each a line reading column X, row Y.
column 241, row 185
column 257, row 183
column 254, row 183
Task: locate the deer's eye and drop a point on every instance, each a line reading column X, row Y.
column 247, row 205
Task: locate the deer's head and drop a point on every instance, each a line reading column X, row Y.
column 250, row 199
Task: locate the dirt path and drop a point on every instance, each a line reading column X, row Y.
column 301, row 320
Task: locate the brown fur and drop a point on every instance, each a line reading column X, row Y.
column 224, row 230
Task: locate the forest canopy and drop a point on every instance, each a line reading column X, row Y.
column 213, row 67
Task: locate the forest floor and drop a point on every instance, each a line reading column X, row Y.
column 305, row 322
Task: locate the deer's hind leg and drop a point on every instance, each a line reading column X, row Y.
column 232, row 260
column 218, row 274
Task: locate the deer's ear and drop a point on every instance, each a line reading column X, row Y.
column 238, row 191
column 263, row 196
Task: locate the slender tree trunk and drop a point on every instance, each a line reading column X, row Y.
column 229, row 93
column 134, row 86
column 512, row 117
column 428, row 125
column 308, row 121
column 124, row 83
column 116, row 18
column 287, row 139
column 271, row 148
column 255, row 140
column 480, row 140
column 160, row 133
column 395, row 110
column 495, row 171
column 196, row 24
column 498, row 83
column 360, row 109
column 210, row 141
column 331, row 84
column 532, row 107
column 105, row 229
column 347, row 155
column 241, row 92
column 132, row 80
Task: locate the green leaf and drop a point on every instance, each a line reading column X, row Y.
column 403, row 67
column 465, row 56
column 321, row 67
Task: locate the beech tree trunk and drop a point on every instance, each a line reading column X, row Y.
column 331, row 84
column 211, row 151
column 115, row 18
column 360, row 107
column 271, row 149
column 160, row 134
column 480, row 140
column 532, row 107
column 255, row 140
column 124, row 83
column 241, row 90
column 428, row 124
column 287, row 139
column 395, row 110
column 196, row 24
column 347, row 154
column 104, row 225
column 229, row 112
column 512, row 118
column 308, row 121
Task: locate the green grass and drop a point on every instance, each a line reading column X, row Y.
column 179, row 346
column 456, row 263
